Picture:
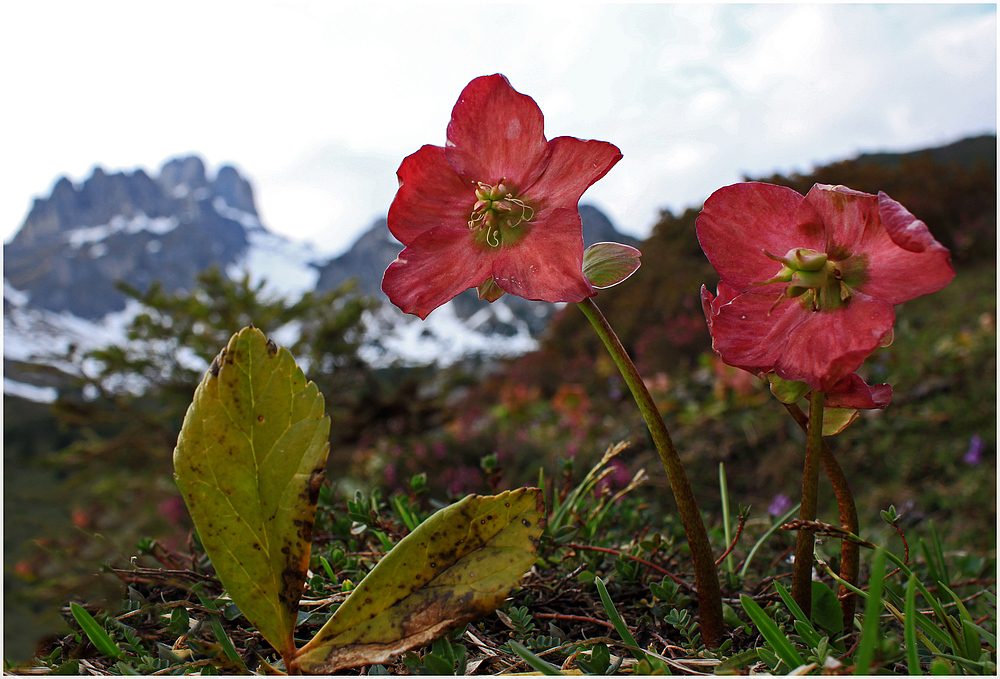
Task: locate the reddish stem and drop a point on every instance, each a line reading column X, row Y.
column 803, row 566
column 706, row 575
column 850, row 552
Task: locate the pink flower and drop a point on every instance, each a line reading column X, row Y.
column 808, row 283
column 496, row 208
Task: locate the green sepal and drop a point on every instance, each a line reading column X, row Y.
column 608, row 264
column 836, row 420
column 489, row 290
column 786, row 391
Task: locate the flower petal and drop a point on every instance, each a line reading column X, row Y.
column 899, row 257
column 495, row 133
column 853, row 392
column 818, row 348
column 850, row 217
column 573, row 165
column 430, row 195
column 435, row 267
column 920, row 266
column 735, row 340
column 711, row 305
column 740, row 222
column 547, row 264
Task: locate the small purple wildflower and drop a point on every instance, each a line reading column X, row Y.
column 974, row 455
column 780, row 504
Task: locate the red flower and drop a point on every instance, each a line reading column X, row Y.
column 496, row 208
column 808, row 283
column 853, row 392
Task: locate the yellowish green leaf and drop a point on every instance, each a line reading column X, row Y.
column 249, row 462
column 458, row 565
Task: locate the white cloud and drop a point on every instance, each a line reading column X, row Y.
column 317, row 102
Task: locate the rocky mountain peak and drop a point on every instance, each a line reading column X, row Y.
column 181, row 176
column 234, row 189
column 75, row 244
column 79, row 241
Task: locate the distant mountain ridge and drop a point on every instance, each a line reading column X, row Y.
column 964, row 152
column 75, row 244
column 61, row 267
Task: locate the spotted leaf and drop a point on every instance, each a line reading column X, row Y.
column 458, row 565
column 249, row 462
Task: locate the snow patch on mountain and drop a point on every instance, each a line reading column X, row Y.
column 30, row 392
column 285, row 267
column 87, row 235
column 247, row 220
column 42, row 336
column 12, row 295
column 442, row 338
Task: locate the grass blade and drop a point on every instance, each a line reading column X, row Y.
column 726, row 520
column 738, row 661
column 910, row 627
column 942, row 567
column 784, row 648
column 990, row 638
column 767, row 534
column 97, row 635
column 943, row 637
column 404, row 513
column 925, row 626
column 327, row 569
column 803, row 625
column 219, row 630
column 973, row 647
column 873, row 608
column 808, row 633
column 786, row 597
column 617, row 621
column 534, row 661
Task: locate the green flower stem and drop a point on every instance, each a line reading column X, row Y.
column 705, row 572
column 802, row 569
column 850, row 556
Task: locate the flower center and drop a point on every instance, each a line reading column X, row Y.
column 812, row 277
column 498, row 215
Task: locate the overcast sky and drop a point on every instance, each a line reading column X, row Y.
column 317, row 102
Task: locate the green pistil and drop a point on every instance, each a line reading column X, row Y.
column 812, row 277
column 498, row 216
